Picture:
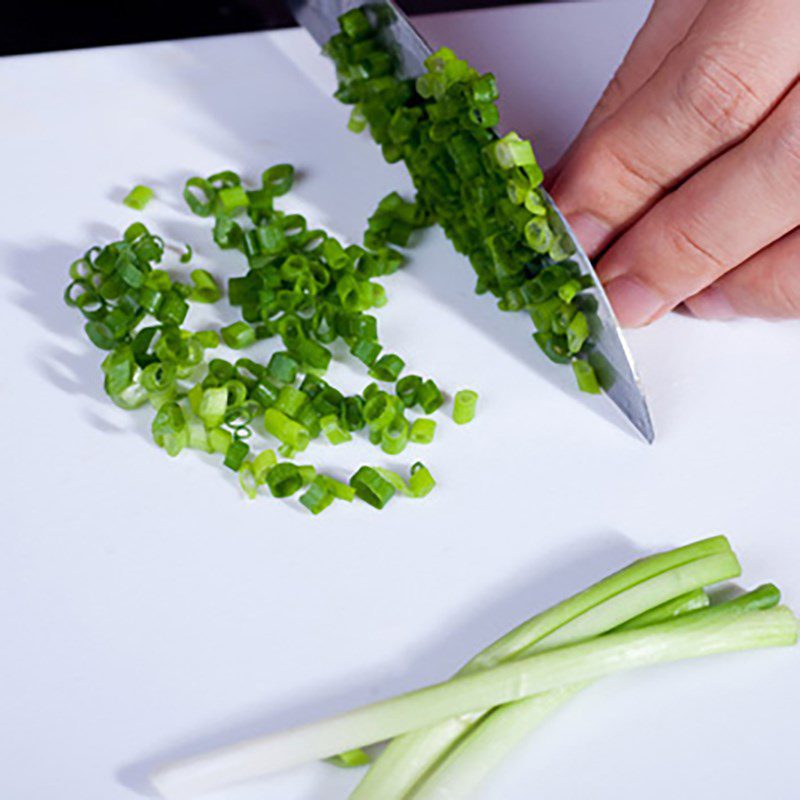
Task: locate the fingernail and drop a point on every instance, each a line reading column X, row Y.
column 711, row 304
column 634, row 303
column 591, row 233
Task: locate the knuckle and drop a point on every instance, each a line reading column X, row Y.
column 697, row 260
column 715, row 93
column 632, row 174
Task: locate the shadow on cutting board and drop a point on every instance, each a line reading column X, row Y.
column 40, row 275
column 532, row 590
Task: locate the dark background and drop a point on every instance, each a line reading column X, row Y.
column 31, row 26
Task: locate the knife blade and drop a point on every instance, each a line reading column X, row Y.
column 610, row 354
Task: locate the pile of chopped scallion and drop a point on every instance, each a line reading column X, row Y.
column 303, row 287
column 446, row 738
column 483, row 191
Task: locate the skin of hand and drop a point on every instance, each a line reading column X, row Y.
column 686, row 177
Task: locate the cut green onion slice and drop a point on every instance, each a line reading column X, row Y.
column 421, row 482
column 586, row 377
column 341, row 491
column 205, row 287
column 317, row 497
column 237, row 453
column 238, row 335
column 213, row 406
column 139, row 197
column 284, row 480
column 422, row 431
column 372, row 488
column 262, row 464
column 333, row 431
column 429, row 396
column 288, row 431
column 387, row 368
column 464, row 405
column 247, row 480
column 394, row 436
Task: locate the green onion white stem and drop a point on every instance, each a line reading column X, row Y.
column 700, row 634
column 607, row 604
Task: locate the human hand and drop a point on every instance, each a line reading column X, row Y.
column 688, row 170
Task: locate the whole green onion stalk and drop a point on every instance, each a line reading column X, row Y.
column 600, row 608
column 531, row 667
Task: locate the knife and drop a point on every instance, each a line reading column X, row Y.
column 610, row 354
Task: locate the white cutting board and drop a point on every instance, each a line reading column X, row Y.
column 148, row 611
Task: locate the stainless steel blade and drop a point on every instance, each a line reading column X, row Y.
column 321, row 19
column 610, row 355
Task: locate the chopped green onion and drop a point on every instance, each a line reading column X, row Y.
column 421, row 482
column 307, row 473
column 219, row 440
column 422, row 431
column 341, row 491
column 407, row 389
column 284, row 480
column 278, row 179
column 205, row 287
column 466, row 179
column 286, row 451
column 464, row 405
column 232, row 199
column 333, row 431
column 372, row 488
column 291, row 401
column 286, row 430
column 170, row 429
column 237, row 453
column 139, row 197
column 394, row 436
column 238, row 335
column 387, row 368
column 207, row 339
column 213, row 406
column 262, row 464
column 586, row 376
column 379, row 411
column 429, row 396
column 195, row 189
column 247, row 480
column 317, row 497
column 366, row 351
column 282, row 367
